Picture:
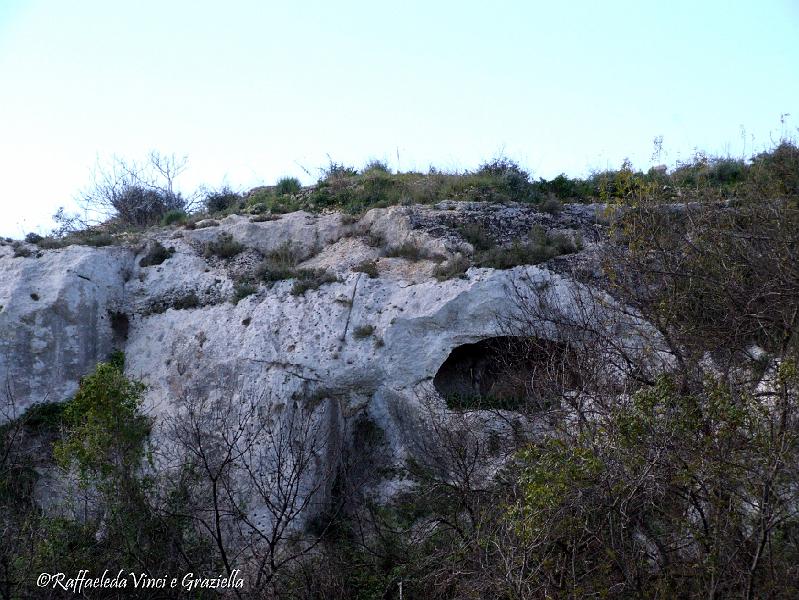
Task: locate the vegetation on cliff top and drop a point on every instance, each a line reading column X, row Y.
column 128, row 196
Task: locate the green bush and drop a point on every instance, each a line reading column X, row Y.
column 375, row 166
column 407, row 250
column 363, row 331
column 105, row 428
column 96, row 239
column 186, row 301
column 335, row 172
column 183, row 301
column 156, row 255
column 551, row 205
column 369, row 267
column 287, row 186
column 310, row 279
column 539, row 247
column 174, row 217
column 565, row 188
column 454, row 267
column 265, row 201
column 224, row 247
column 43, row 417
column 777, row 172
column 220, row 200
column 50, row 243
column 21, row 251
column 280, row 263
column 477, row 235
column 509, row 175
column 242, row 289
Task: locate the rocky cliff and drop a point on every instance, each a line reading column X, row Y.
column 367, row 340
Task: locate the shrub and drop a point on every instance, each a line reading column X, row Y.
column 509, row 175
column 136, row 194
column 21, row 251
column 551, row 205
column 221, row 200
column 105, row 427
column 223, row 247
column 368, row 266
column 454, row 267
column 564, row 188
column 375, row 165
column 186, row 301
column 279, row 263
column 777, row 171
column 156, row 255
column 336, row 172
column 310, row 279
column 142, row 206
column 266, row 201
column 540, row 247
column 726, row 171
column 407, row 250
column 98, row 240
column 50, row 243
column 477, row 235
column 174, row 217
column 182, row 301
column 44, row 417
column 242, row 289
column 363, row 331
column 33, row 238
column 287, row 186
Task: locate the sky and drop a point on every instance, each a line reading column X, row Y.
column 252, row 90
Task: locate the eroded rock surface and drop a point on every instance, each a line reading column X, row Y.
column 370, row 345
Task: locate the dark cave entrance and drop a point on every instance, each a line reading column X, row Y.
column 507, row 372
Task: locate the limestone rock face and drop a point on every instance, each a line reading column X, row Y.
column 368, row 345
column 61, row 314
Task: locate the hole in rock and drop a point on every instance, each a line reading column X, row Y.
column 506, row 372
column 120, row 324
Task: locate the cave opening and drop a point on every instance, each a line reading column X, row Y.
column 120, row 326
column 506, row 372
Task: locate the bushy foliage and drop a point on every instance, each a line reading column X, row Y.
column 106, row 432
column 376, row 166
column 220, row 200
column 141, row 206
column 509, row 175
column 242, row 289
column 336, row 172
column 369, row 267
column 310, row 279
column 279, row 264
column 133, row 194
column 156, row 255
column 224, row 246
column 287, row 186
column 408, row 250
column 174, row 217
column 363, row 331
column 452, row 268
column 539, row 247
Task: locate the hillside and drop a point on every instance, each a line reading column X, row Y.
column 459, row 385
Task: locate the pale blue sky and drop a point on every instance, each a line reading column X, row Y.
column 250, row 90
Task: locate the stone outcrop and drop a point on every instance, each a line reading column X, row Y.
column 369, row 344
